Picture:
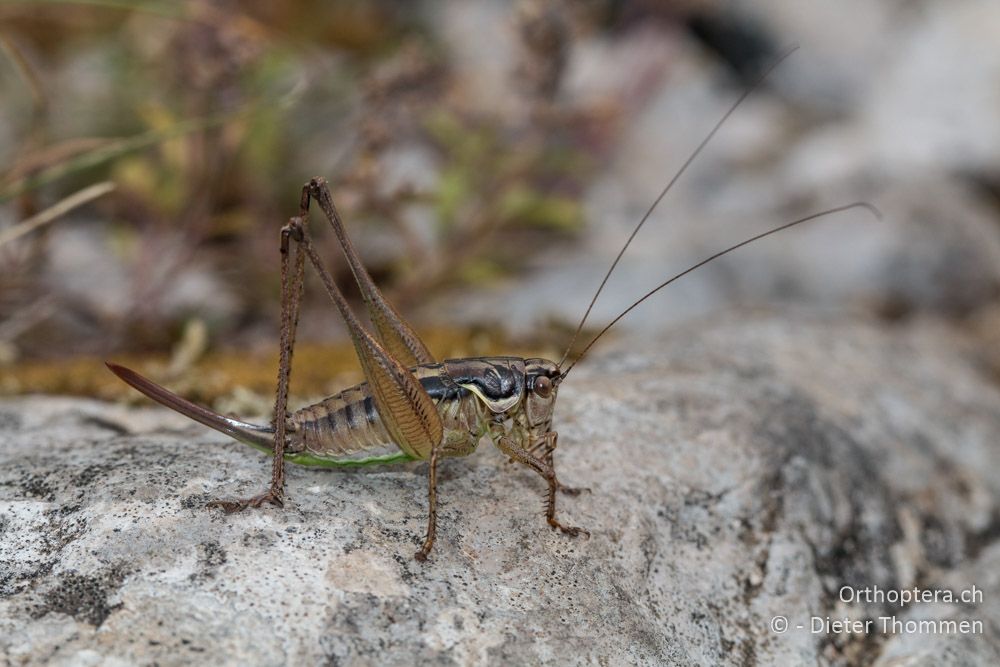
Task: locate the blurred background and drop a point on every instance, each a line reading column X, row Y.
column 490, row 159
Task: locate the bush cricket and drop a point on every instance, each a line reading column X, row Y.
column 411, row 406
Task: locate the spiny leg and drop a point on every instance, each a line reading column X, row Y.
column 544, row 448
column 393, row 332
column 546, row 445
column 291, row 298
column 406, row 409
column 421, row 555
column 516, row 452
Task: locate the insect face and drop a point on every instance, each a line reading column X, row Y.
column 542, row 382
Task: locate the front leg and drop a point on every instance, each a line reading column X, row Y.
column 547, row 445
column 543, row 468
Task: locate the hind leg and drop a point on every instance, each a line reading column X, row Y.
column 292, row 274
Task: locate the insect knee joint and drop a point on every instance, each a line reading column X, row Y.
column 293, row 230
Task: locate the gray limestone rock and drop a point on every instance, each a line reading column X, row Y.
column 740, row 470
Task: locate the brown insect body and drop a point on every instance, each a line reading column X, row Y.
column 476, row 398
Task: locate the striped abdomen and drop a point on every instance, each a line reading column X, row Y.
column 343, row 424
column 348, row 424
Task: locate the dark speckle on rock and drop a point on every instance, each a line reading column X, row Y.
column 85, row 597
column 93, row 472
column 196, row 501
column 211, row 554
column 36, row 486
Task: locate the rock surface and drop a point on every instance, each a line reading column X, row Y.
column 740, row 470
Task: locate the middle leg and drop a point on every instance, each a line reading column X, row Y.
column 421, row 555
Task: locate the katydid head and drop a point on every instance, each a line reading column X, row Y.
column 503, row 384
column 541, row 383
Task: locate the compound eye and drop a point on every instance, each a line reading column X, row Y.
column 543, row 386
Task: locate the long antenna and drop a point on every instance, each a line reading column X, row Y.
column 874, row 211
column 666, row 189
